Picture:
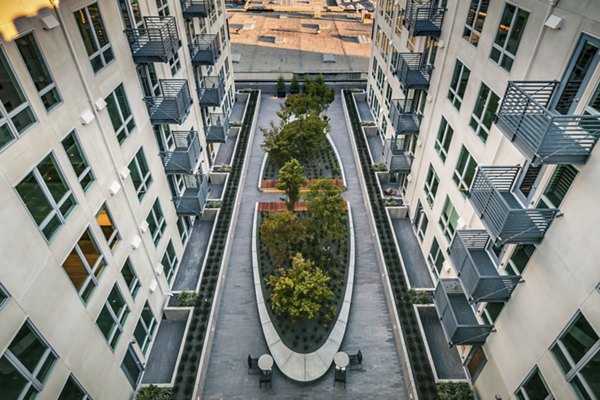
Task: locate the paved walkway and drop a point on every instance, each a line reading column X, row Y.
column 238, row 330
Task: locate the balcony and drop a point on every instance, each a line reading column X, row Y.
column 424, row 18
column 193, row 198
column 173, row 106
column 205, row 51
column 211, row 91
column 157, row 41
column 458, row 319
column 404, row 117
column 413, row 71
column 396, row 159
column 504, row 217
column 217, row 129
column 476, row 270
column 542, row 135
column 195, row 8
column 185, row 156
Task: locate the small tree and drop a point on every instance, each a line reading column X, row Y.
column 282, row 234
column 291, row 181
column 294, row 86
column 280, row 86
column 326, row 210
column 153, row 392
column 300, row 291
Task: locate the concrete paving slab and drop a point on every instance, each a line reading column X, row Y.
column 191, row 262
column 163, row 357
column 410, row 251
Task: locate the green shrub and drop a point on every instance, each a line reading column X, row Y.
column 419, row 297
column 454, row 391
column 186, row 299
column 153, row 392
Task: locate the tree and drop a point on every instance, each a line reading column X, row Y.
column 280, row 86
column 322, row 94
column 299, row 291
column 294, row 86
column 298, row 105
column 283, row 235
column 291, row 181
column 326, row 210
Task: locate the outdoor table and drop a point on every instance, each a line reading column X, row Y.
column 265, row 362
column 341, row 359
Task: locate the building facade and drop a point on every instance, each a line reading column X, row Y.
column 490, row 114
column 111, row 113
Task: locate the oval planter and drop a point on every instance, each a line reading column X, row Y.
column 303, row 367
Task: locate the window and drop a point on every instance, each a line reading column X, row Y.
column 577, row 351
column 508, row 37
column 422, row 225
column 484, row 111
column 94, row 36
column 120, row 113
column 3, row 296
column 475, row 19
column 374, row 69
column 388, row 95
column 15, row 111
column 458, row 85
column 399, row 21
column 448, row 219
column 140, row 174
column 534, row 388
column 183, row 225
column 444, row 138
column 73, row 391
column 47, row 196
column 559, row 185
column 163, row 7
column 38, row 70
column 464, row 171
column 148, row 79
column 110, row 231
column 84, row 265
column 156, row 222
column 476, row 361
column 435, row 258
column 174, row 63
column 491, row 312
column 380, row 79
column 145, row 329
column 431, row 185
column 131, row 278
column 169, row 262
column 132, row 367
column 394, row 63
column 26, row 364
column 79, row 162
column 519, row 258
column 112, row 317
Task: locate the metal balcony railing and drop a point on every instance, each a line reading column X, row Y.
column 404, row 118
column 217, row 129
column 211, row 91
column 206, row 50
column 458, row 318
column 413, row 72
column 396, row 159
column 196, row 8
column 157, row 41
column 504, row 217
column 476, row 270
column 184, row 157
column 174, row 103
column 424, row 18
column 542, row 135
column 193, row 199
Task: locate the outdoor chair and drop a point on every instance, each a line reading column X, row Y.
column 253, row 366
column 356, row 360
column 265, row 377
column 340, row 376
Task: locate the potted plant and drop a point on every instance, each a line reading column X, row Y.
column 280, row 87
column 294, row 86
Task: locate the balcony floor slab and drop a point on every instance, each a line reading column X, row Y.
column 163, row 357
column 410, row 251
column 195, row 250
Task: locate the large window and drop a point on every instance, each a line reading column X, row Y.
column 184, row 226
column 47, row 196
column 559, row 185
column 431, row 185
column 110, row 231
column 145, row 329
column 38, row 70
column 577, row 351
column 163, row 7
column 112, row 317
column 534, row 388
column 78, row 160
column 508, row 37
column 156, row 222
column 169, row 262
column 475, row 19
column 131, row 278
column 140, row 174
column 520, row 258
column 458, row 85
column 464, row 171
column 444, row 138
column 84, row 265
column 421, row 224
column 15, row 111
column 448, row 219
column 73, row 391
column 148, row 79
column 435, row 258
column 120, row 113
column 132, row 367
column 174, row 63
column 94, row 36
column 483, row 112
column 25, row 365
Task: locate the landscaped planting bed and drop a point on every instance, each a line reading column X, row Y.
column 320, row 165
column 194, row 341
column 408, row 320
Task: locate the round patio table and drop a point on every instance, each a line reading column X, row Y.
column 341, row 359
column 265, row 362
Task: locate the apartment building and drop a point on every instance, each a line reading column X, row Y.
column 490, row 114
column 111, row 112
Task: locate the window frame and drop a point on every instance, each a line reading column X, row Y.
column 146, row 180
column 123, row 131
column 79, row 386
column 149, row 329
column 115, row 237
column 480, row 128
column 445, row 221
column 456, row 89
column 134, row 286
column 87, row 172
column 520, row 393
column 431, row 185
column 99, row 50
column 172, row 262
column 502, row 50
column 443, row 139
column 136, row 359
column 160, row 224
column 432, row 259
column 544, row 201
column 471, row 30
column 119, row 319
column 469, row 167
